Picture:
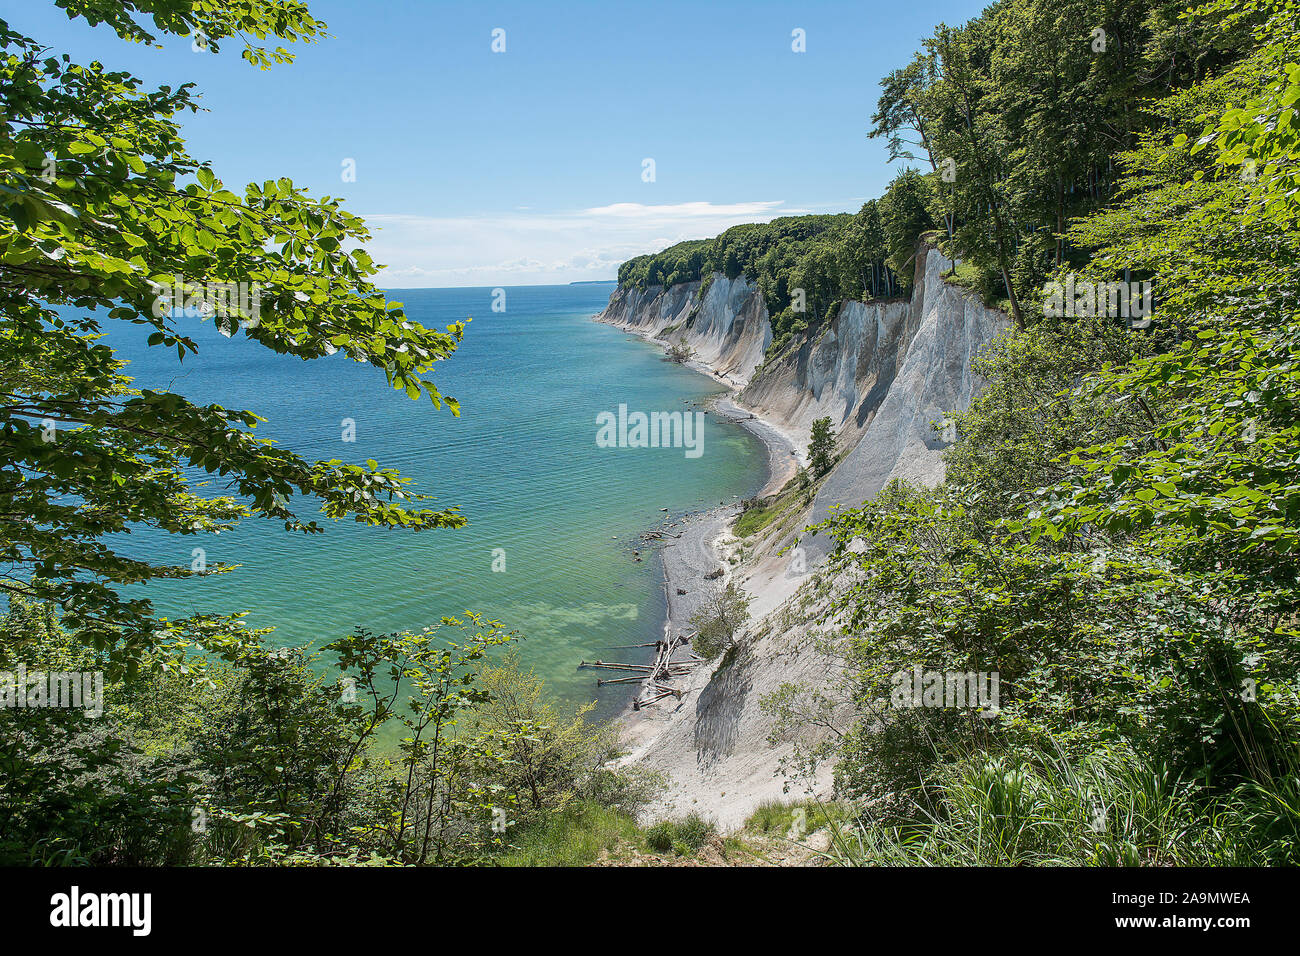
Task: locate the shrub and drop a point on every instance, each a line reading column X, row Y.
column 694, row 831
column 679, row 351
column 659, row 836
column 682, row 837
column 716, row 621
column 821, row 447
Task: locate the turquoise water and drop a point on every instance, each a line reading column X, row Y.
column 521, row 462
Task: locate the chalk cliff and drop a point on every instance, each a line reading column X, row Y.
column 882, row 371
column 728, row 327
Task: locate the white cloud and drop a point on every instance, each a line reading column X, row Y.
column 528, row 248
column 685, row 211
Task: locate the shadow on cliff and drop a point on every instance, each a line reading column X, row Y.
column 717, row 711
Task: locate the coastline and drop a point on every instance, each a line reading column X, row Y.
column 887, row 372
column 701, row 549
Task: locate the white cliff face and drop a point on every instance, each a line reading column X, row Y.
column 932, row 378
column 728, row 328
column 881, row 371
column 844, row 374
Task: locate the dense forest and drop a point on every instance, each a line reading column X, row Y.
column 830, row 258
column 1019, row 119
column 1118, row 536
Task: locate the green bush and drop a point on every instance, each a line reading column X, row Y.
column 821, row 448
column 681, row 837
column 721, row 614
column 694, row 831
column 261, row 759
column 659, row 836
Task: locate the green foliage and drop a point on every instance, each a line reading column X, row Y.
column 758, row 514
column 679, row 351
column 73, row 788
column 829, row 258
column 1020, row 114
column 659, row 836
column 904, row 217
column 720, row 615
column 1262, row 817
column 551, row 759
column 693, row 831
column 1260, row 136
column 575, row 836
column 821, row 448
column 681, row 837
column 417, row 749
column 754, row 519
column 1042, row 809
column 1028, row 416
column 100, row 207
column 1119, row 531
column 1112, row 808
column 795, row 820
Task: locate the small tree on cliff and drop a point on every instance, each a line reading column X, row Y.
column 821, row 447
column 716, row 621
column 679, row 351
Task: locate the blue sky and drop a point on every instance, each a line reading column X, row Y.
column 525, row 167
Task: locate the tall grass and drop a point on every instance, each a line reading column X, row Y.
column 778, row 818
column 574, row 837
column 682, row 837
column 1261, row 819
column 1112, row 809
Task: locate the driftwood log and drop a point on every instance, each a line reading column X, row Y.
column 655, row 677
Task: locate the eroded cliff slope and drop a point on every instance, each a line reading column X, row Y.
column 727, row 327
column 883, row 372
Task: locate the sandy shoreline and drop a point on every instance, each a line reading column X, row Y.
column 685, row 561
